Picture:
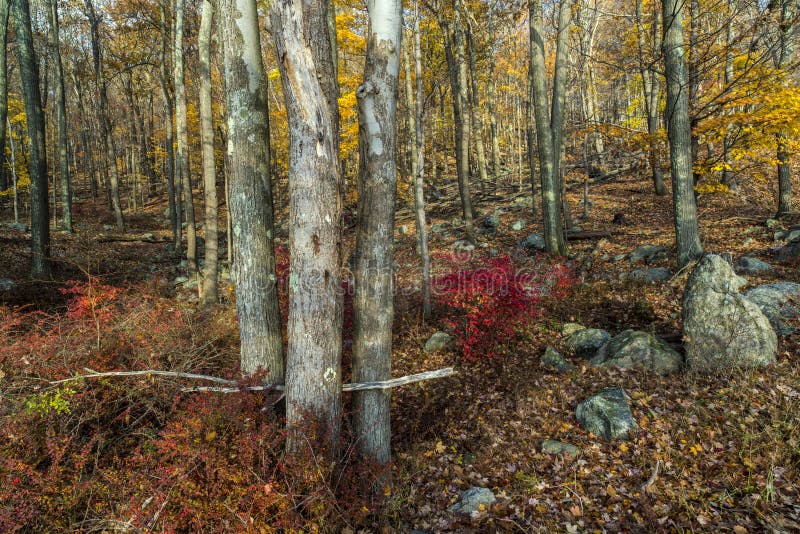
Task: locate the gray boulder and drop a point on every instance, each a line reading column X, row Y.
column 585, row 343
column 6, row 284
column 463, row 245
column 607, row 414
column 19, row 227
column 656, row 274
column 556, row 448
column 568, row 329
column 473, row 500
column 438, row 341
column 723, row 329
column 632, row 349
column 532, row 242
column 491, row 222
column 748, row 265
column 108, row 227
column 780, row 302
column 552, row 359
column 789, row 252
column 790, row 235
column 519, row 225
column 648, row 253
column 439, row 228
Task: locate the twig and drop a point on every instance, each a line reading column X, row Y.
column 652, row 479
column 236, row 386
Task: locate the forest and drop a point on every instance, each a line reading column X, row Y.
column 434, row 266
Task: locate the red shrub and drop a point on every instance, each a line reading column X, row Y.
column 488, row 299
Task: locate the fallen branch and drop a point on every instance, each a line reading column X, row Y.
column 589, row 234
column 236, row 386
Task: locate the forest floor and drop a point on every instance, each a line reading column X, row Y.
column 714, row 453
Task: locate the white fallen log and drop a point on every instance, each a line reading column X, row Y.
column 234, row 386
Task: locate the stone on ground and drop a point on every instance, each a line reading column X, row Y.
column 633, row 349
column 552, row 359
column 648, row 253
column 438, row 341
column 748, row 265
column 723, row 330
column 473, row 500
column 585, row 343
column 780, row 302
column 551, row 446
column 608, row 414
column 532, row 242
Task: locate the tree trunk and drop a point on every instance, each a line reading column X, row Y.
column 374, row 297
column 783, row 52
column 650, row 84
column 680, row 136
column 37, row 158
column 250, row 191
column 475, row 117
column 174, row 200
column 209, row 288
column 548, row 124
column 313, row 365
column 107, row 133
column 183, row 142
column 490, row 104
column 61, row 105
column 419, row 178
column 455, row 49
column 728, row 176
column 4, row 20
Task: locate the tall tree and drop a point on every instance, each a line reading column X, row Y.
column 4, row 20
column 37, row 156
column 549, row 123
column 209, row 287
column 173, row 192
column 61, row 107
column 313, row 364
column 651, row 90
column 455, row 49
column 377, row 184
column 182, row 131
column 787, row 13
column 250, row 192
column 679, row 132
column 107, row 132
column 419, row 177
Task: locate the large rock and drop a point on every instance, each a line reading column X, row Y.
column 632, row 349
column 491, row 222
column 789, row 252
column 723, row 329
column 780, row 302
column 607, row 414
column 473, row 500
column 656, row 274
column 585, row 343
column 438, row 341
column 748, row 265
column 648, row 253
column 556, row 448
column 552, row 359
column 533, row 242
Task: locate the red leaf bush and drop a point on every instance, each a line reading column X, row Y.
column 489, row 299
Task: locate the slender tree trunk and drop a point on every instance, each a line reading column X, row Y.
column 107, row 133
column 728, row 176
column 419, row 178
column 182, row 131
column 13, row 166
column 491, row 105
column 209, row 288
column 783, row 51
column 650, row 84
column 174, row 199
column 475, row 117
column 680, row 136
column 374, row 298
column 4, row 21
column 410, row 115
column 455, row 49
column 37, row 158
column 313, row 365
column 548, row 124
column 85, row 136
column 61, row 105
column 250, row 198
